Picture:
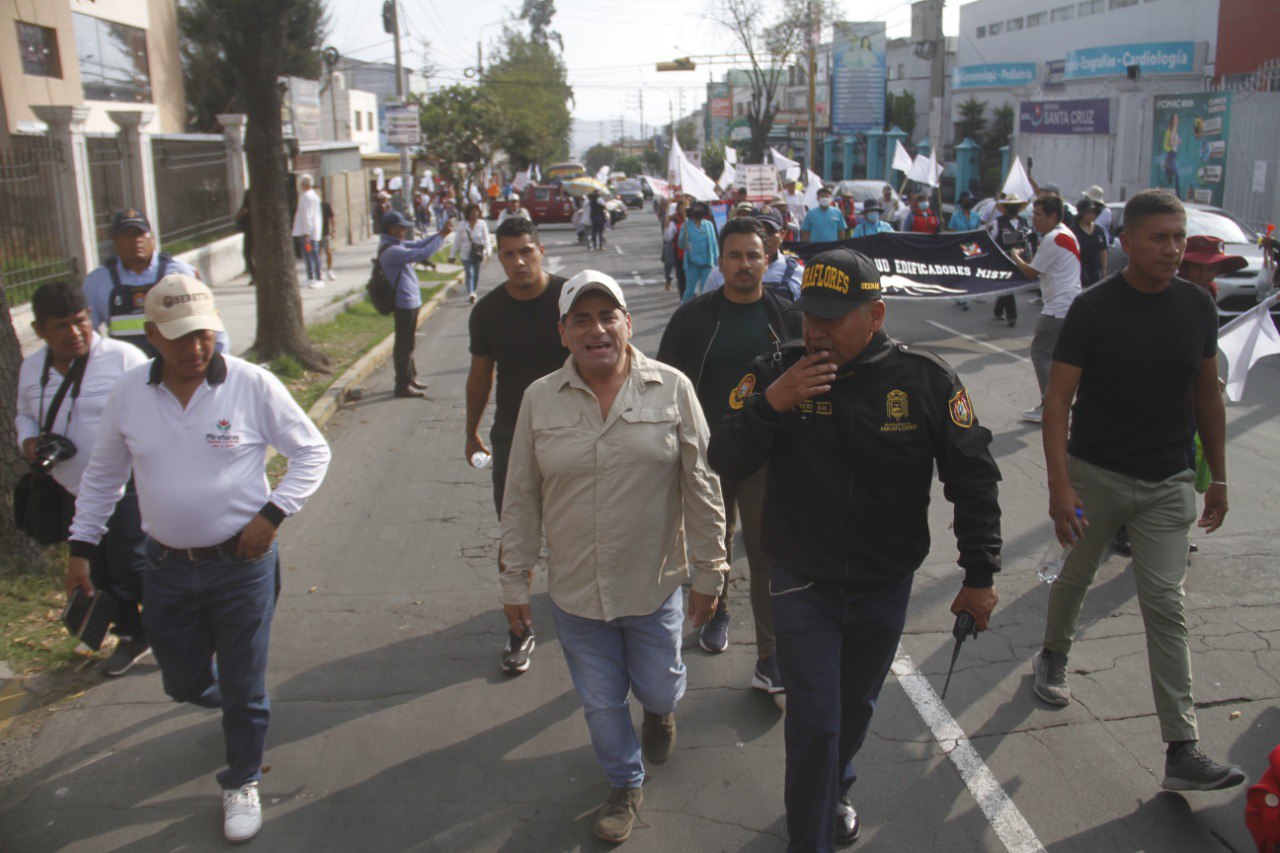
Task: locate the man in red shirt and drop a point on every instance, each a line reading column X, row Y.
column 921, row 220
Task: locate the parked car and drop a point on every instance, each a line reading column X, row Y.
column 631, row 192
column 1238, row 290
column 548, row 203
column 862, row 191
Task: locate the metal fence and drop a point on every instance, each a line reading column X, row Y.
column 194, row 203
column 110, row 185
column 31, row 249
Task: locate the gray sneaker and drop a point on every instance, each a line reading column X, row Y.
column 127, row 653
column 1192, row 770
column 1051, row 678
column 618, row 815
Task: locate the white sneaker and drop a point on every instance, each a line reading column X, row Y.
column 315, row 285
column 331, row 276
column 241, row 813
column 1034, row 416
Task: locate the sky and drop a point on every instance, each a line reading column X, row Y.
column 610, row 47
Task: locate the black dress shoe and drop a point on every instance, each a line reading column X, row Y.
column 421, row 386
column 410, row 392
column 846, row 822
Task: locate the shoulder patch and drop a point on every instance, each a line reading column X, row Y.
column 961, row 409
column 744, row 389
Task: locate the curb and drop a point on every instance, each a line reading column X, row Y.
column 331, row 400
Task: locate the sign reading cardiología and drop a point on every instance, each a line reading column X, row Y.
column 931, row 266
column 1065, row 118
column 999, row 75
column 1161, row 57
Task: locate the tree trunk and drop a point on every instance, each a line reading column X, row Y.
column 281, row 330
column 14, row 544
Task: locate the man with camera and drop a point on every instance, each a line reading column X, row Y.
column 62, row 390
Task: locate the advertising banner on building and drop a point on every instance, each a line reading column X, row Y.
column 1189, row 148
column 932, row 266
column 719, row 110
column 403, row 124
column 996, row 76
column 857, row 76
column 300, row 109
column 1160, row 57
column 1065, row 118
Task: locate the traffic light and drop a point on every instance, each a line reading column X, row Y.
column 389, row 16
column 685, row 64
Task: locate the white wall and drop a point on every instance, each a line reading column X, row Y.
column 365, row 103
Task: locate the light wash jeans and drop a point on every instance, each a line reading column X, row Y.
column 471, row 274
column 608, row 660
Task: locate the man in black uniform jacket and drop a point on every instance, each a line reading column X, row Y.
column 851, row 431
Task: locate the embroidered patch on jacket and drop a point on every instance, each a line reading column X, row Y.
column 961, row 408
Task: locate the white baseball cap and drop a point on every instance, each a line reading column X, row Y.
column 586, row 282
column 180, row 304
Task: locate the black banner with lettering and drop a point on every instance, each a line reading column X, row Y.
column 931, row 266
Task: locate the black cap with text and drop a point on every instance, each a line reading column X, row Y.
column 836, row 282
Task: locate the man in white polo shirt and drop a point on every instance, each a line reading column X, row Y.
column 1057, row 266
column 194, row 426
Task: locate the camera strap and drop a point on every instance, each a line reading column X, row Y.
column 71, row 382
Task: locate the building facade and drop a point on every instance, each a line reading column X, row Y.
column 103, row 55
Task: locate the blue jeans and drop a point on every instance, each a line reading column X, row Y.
column 471, row 271
column 638, row 654
column 311, row 258
column 695, row 276
column 835, row 647
column 222, row 606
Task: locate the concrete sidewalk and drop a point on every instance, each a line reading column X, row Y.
column 237, row 302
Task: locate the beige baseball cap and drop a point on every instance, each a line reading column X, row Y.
column 589, row 281
column 180, row 304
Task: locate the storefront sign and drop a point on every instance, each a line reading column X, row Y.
column 998, row 76
column 1065, row 117
column 1162, row 57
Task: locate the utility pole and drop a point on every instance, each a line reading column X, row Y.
column 391, row 22
column 936, row 72
column 812, row 73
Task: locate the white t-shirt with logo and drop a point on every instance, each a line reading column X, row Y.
column 1058, row 262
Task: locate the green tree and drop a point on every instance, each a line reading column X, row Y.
column 16, row 546
column 628, row 164
column 900, row 110
column 252, row 37
column 210, row 80
column 464, row 126
column 973, row 120
column 528, row 81
column 713, row 159
column 772, row 35
column 1001, row 126
column 598, row 156
column 654, row 162
column 687, row 133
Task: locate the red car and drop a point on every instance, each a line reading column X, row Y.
column 547, row 203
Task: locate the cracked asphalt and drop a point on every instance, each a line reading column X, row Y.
column 393, row 728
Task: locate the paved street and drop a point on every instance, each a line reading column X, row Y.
column 393, row 728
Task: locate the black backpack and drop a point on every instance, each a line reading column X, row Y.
column 382, row 294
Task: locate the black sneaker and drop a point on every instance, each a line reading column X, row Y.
column 1192, row 770
column 846, row 822
column 515, row 657
column 715, row 634
column 1120, row 542
column 127, row 653
column 766, row 677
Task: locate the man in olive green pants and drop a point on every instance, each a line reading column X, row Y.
column 1138, row 354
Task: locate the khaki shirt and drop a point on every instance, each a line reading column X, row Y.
column 622, row 500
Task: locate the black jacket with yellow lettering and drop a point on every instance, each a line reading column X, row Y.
column 850, row 472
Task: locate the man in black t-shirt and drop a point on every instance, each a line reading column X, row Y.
column 713, row 339
column 513, row 331
column 1137, row 352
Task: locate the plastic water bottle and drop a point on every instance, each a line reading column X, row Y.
column 1054, row 557
column 480, row 459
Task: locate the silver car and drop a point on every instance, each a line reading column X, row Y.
column 1235, row 290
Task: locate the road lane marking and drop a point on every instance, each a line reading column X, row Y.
column 978, row 341
column 1009, row 824
column 619, row 249
column 635, row 277
column 552, row 263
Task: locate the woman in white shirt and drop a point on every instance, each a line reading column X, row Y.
column 471, row 245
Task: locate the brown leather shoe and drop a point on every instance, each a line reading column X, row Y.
column 618, row 815
column 421, row 386
column 658, row 736
column 410, row 392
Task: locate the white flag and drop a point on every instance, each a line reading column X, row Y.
column 603, row 175
column 521, row 180
column 728, row 176
column 695, row 182
column 925, row 170
column 1018, row 183
column 788, row 167
column 731, row 155
column 674, row 156
column 812, row 183
column 1246, row 339
column 901, row 159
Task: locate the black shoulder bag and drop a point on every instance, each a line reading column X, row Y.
column 42, row 508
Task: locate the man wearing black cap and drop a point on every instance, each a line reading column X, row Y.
column 851, row 424
column 116, row 290
column 397, row 257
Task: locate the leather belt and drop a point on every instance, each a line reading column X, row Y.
column 213, row 552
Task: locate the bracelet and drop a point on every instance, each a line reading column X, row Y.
column 1222, row 483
